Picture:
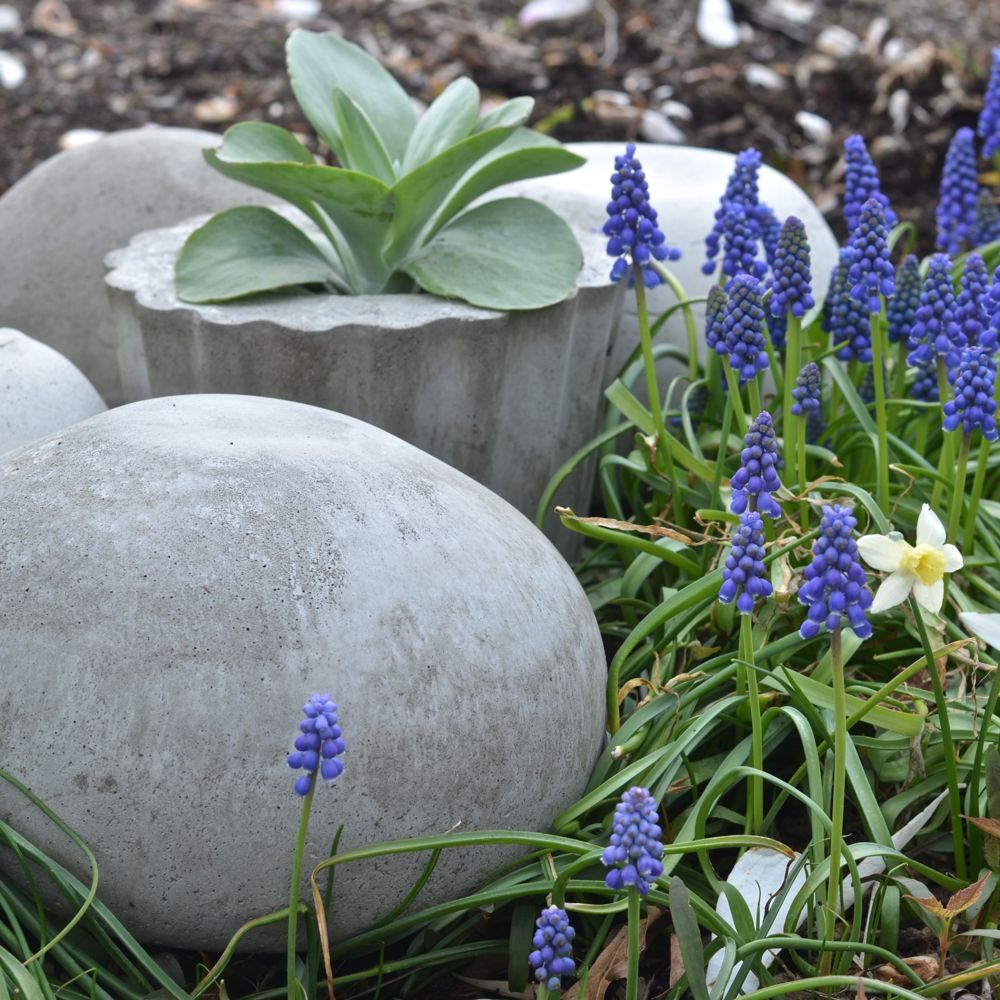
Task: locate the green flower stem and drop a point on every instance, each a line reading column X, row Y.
column 722, row 453
column 839, row 792
column 881, row 423
column 958, row 490
column 734, row 394
column 947, row 462
column 653, row 391
column 756, row 811
column 542, row 992
column 803, row 471
column 632, row 984
column 944, row 725
column 690, row 325
column 789, row 421
column 294, row 990
column 899, row 372
column 753, row 391
column 977, row 493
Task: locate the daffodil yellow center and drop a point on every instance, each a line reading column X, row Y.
column 925, row 562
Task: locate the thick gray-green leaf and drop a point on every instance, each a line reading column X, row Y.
column 507, row 254
column 361, row 147
column 246, row 250
column 525, row 154
column 448, row 120
column 513, row 112
column 254, row 142
column 319, row 64
column 421, row 192
column 359, row 206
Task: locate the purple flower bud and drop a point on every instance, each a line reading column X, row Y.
column 743, row 328
column 902, row 308
column 634, row 846
column 739, row 256
column 757, row 477
column 808, row 388
column 791, row 287
column 870, row 273
column 845, row 318
column 319, row 738
column 861, row 183
column 989, row 118
column 970, row 303
column 956, row 210
column 715, row 309
column 972, row 406
column 553, row 941
column 935, row 329
column 744, row 575
column 741, row 189
column 987, row 220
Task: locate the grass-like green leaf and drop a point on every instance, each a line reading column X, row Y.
column 319, row 64
column 247, row 250
column 472, row 258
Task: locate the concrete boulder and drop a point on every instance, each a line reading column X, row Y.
column 59, row 221
column 180, row 574
column 42, row 391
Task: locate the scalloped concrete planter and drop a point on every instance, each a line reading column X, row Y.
column 503, row 397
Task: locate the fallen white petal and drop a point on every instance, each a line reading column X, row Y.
column 930, row 530
column 894, row 590
column 881, row 552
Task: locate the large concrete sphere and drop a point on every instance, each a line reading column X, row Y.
column 180, row 574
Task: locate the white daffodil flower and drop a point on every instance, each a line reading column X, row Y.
column 919, row 569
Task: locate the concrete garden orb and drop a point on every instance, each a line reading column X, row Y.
column 42, row 391
column 505, row 397
column 59, row 221
column 181, row 574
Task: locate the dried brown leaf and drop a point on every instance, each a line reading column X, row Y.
column 966, row 897
column 656, row 530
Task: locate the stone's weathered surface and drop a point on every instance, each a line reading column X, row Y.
column 181, row 574
column 685, row 186
column 503, row 397
column 58, row 223
column 40, row 391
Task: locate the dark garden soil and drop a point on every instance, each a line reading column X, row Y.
column 905, row 73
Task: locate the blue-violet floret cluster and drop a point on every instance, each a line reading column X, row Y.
column 757, row 477
column 791, row 289
column 318, row 744
column 744, row 576
column 956, row 210
column 973, row 405
column 901, row 309
column 871, row 273
column 861, row 183
column 635, row 847
column 807, row 390
column 553, row 941
column 743, row 329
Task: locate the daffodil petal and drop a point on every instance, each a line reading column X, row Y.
column 894, row 590
column 952, row 559
column 881, row 552
column 930, row 530
column 929, row 595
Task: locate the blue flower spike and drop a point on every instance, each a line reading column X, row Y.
column 956, row 210
column 861, row 183
column 835, row 587
column 631, row 227
column 635, row 846
column 846, row 318
column 743, row 328
column 791, row 289
column 744, row 576
column 807, row 391
column 973, row 406
column 871, row 274
column 741, row 189
column 902, row 308
column 987, row 220
column 740, row 253
column 319, row 743
column 757, row 477
column 553, row 955
column 970, row 303
column 988, row 126
column 935, row 329
column 715, row 311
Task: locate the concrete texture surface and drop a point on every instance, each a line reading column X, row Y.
column 504, row 397
column 40, row 391
column 59, row 221
column 181, row 574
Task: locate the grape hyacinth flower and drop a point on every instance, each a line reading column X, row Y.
column 777, row 327
column 835, row 587
column 988, row 126
column 553, row 955
column 715, row 310
column 743, row 329
column 744, row 575
column 807, row 390
column 990, row 336
column 861, row 183
column 633, row 235
column 925, row 385
column 635, row 847
column 987, row 220
column 973, row 405
column 902, row 307
column 935, row 330
column 770, row 232
column 846, row 318
column 970, row 303
column 956, row 210
column 871, row 273
column 791, row 289
column 741, row 189
column 319, row 743
column 740, row 242
column 757, row 477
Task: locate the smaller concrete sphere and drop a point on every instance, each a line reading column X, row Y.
column 181, row 574
column 42, row 391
